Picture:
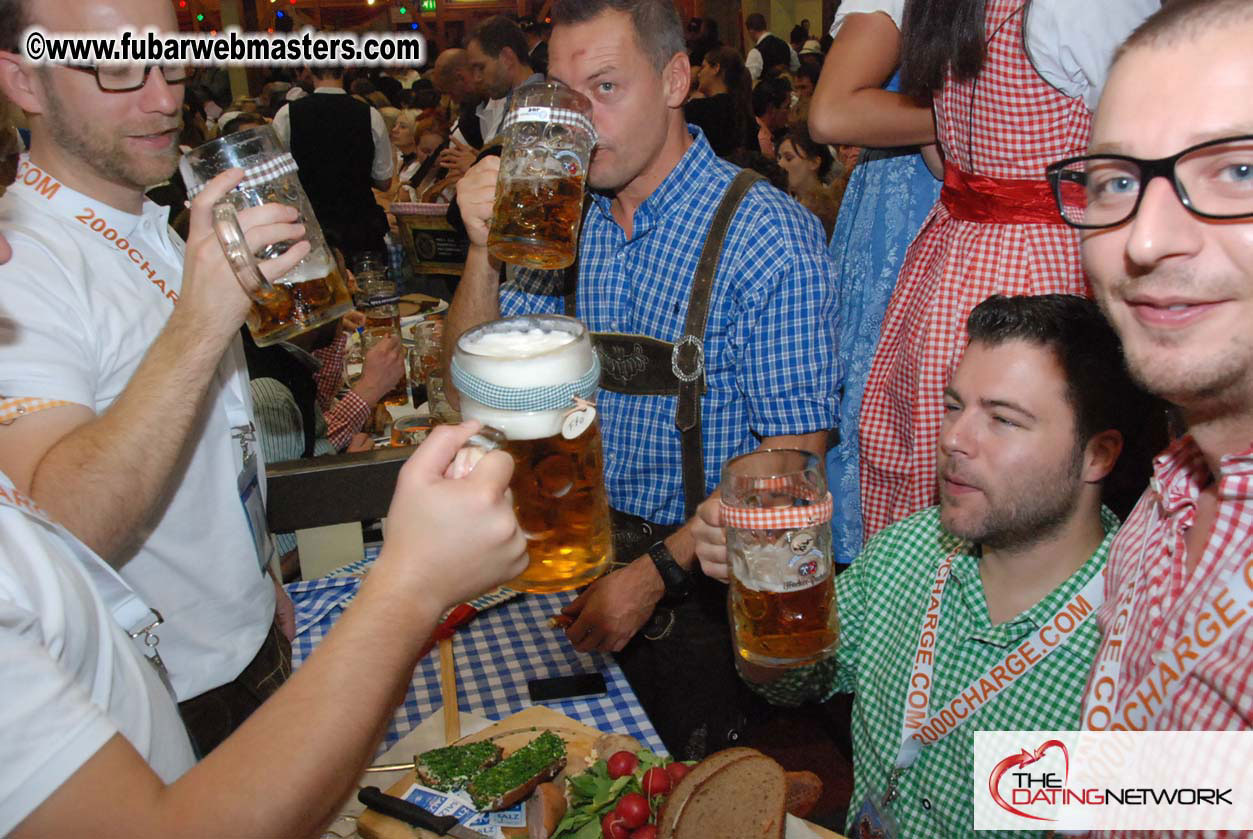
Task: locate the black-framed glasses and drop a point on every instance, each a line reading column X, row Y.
column 1212, row 180
column 123, row 77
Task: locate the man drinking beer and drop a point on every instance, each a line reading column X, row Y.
column 129, row 417
column 1036, row 416
column 695, row 372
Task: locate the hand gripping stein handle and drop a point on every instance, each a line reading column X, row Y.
column 487, row 440
column 243, row 263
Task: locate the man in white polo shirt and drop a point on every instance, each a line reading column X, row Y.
column 122, row 373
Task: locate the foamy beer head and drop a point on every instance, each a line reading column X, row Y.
column 530, row 351
column 534, row 379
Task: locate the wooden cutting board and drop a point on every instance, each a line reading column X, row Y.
column 510, row 734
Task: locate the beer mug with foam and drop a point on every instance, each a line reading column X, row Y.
column 534, row 378
column 777, row 512
column 310, row 294
column 548, row 137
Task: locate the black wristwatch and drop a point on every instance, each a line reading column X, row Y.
column 678, row 582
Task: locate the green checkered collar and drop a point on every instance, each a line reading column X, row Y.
column 965, row 575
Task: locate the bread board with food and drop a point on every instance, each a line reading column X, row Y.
column 607, row 787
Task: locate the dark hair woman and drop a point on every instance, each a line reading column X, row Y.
column 723, row 105
column 1013, row 84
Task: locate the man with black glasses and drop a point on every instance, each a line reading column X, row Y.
column 1165, row 202
column 125, row 416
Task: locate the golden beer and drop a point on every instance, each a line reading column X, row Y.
column 295, row 307
column 798, row 626
column 559, row 496
column 776, row 512
column 558, row 479
column 535, row 222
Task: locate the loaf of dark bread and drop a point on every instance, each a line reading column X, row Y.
column 739, row 797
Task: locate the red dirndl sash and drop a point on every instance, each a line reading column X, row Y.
column 970, row 197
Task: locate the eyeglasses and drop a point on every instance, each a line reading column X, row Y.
column 1212, row 180
column 123, row 77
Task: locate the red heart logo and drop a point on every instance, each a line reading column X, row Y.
column 1024, row 758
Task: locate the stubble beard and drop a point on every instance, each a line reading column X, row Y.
column 105, row 154
column 1032, row 512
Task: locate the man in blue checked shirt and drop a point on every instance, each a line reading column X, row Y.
column 755, row 363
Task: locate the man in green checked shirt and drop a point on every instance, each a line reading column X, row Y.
column 977, row 614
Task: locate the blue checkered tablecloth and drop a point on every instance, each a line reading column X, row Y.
column 496, row 653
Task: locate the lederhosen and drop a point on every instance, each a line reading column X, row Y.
column 680, row 664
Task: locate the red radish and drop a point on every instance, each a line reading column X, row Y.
column 632, row 809
column 676, row 771
column 611, row 827
column 648, row 831
column 621, row 764
column 656, row 781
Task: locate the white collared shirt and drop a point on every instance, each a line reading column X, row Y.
column 87, row 311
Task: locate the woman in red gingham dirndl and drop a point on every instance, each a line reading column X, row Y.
column 1008, row 123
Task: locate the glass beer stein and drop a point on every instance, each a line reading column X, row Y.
column 539, row 192
column 532, row 378
column 310, row 294
column 777, row 514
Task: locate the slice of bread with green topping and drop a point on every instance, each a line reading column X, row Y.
column 452, row 767
column 515, row 777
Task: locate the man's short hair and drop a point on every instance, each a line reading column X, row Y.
column 1182, row 20
column 1099, row 388
column 756, row 22
column 13, row 21
column 658, row 29
column 327, row 71
column 498, row 32
column 770, row 93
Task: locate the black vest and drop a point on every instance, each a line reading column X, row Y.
column 334, row 148
column 774, row 52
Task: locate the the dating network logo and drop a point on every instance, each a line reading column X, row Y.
column 1027, row 787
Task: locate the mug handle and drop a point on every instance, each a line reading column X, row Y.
column 487, row 440
column 243, row 263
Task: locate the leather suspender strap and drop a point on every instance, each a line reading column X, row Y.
column 642, row 357
column 688, row 359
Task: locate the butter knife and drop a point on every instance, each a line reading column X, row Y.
column 410, row 813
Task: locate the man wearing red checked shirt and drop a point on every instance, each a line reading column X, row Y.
column 1176, row 281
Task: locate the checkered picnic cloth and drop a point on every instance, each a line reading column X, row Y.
column 1007, row 123
column 496, row 654
column 12, row 408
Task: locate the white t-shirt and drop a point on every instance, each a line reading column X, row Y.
column 71, row 678
column 1070, row 42
column 383, row 164
column 85, row 312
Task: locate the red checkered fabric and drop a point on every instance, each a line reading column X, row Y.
column 348, row 415
column 1007, row 123
column 1218, row 694
column 330, row 376
column 777, row 518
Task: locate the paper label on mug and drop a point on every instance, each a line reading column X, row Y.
column 791, row 562
column 533, row 113
column 577, row 421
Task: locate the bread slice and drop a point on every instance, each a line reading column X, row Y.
column 517, row 776
column 741, row 799
column 451, row 767
column 694, row 778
